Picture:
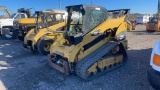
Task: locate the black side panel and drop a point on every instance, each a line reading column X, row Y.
column 95, row 41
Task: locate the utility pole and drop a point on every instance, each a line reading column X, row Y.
column 59, row 4
column 158, row 6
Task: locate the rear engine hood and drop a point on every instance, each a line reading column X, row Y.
column 27, row 21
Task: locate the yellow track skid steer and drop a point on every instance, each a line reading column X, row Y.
column 95, row 42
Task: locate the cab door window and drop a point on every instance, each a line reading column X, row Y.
column 96, row 17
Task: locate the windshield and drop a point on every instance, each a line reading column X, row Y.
column 12, row 16
column 154, row 20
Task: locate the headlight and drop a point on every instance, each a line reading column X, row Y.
column 59, row 53
column 155, row 56
column 121, row 36
column 156, row 60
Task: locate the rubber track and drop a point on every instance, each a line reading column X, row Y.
column 84, row 64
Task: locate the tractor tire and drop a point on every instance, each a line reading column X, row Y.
column 154, row 79
column 43, row 46
column 8, row 36
column 0, row 35
column 21, row 36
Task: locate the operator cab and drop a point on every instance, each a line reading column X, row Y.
column 82, row 19
column 154, row 20
column 47, row 18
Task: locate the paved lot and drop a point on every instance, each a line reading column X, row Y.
column 21, row 70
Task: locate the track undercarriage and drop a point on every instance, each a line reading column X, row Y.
column 107, row 58
column 101, row 61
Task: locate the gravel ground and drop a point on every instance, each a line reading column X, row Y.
column 21, row 70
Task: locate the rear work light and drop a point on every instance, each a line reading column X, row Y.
column 156, row 60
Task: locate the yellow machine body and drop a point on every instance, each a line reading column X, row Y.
column 45, row 33
column 153, row 24
column 27, row 21
column 69, row 57
column 41, row 37
column 71, row 51
column 131, row 25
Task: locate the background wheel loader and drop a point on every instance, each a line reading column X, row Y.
column 95, row 42
column 154, row 22
column 42, row 36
